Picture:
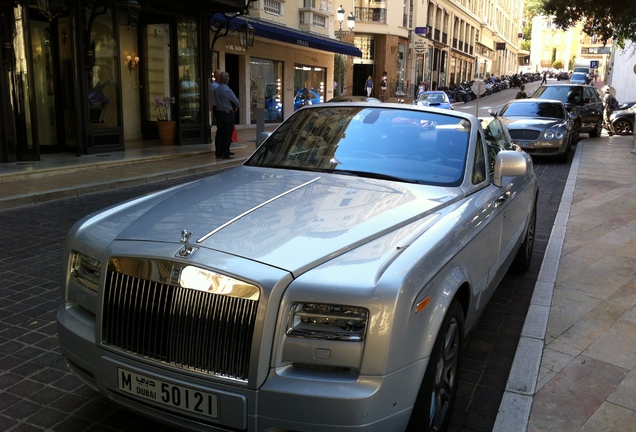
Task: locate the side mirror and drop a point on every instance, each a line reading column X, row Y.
column 509, row 163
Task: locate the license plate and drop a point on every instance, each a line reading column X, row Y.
column 168, row 394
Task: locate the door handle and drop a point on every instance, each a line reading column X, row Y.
column 502, row 198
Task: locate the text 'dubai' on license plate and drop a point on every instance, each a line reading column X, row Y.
column 168, row 394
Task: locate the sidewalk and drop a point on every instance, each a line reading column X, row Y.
column 63, row 176
column 575, row 366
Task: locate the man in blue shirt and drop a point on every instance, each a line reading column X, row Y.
column 213, row 85
column 226, row 104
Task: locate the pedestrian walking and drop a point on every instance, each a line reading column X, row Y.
column 521, row 94
column 226, row 105
column 608, row 108
column 383, row 86
column 421, row 89
column 368, row 85
column 544, row 80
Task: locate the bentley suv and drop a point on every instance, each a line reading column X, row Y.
column 584, row 101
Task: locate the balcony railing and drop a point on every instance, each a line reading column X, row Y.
column 370, row 15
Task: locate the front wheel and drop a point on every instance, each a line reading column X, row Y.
column 434, row 404
column 524, row 254
column 623, row 127
column 576, row 131
column 596, row 132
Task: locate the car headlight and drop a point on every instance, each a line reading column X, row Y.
column 548, row 135
column 558, row 134
column 85, row 270
column 324, row 321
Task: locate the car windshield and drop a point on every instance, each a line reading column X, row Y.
column 405, row 145
column 578, row 76
column 565, row 94
column 433, row 98
column 534, row 109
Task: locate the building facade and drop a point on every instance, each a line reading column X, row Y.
column 441, row 42
column 89, row 76
column 571, row 47
column 93, row 76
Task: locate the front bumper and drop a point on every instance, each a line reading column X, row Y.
column 288, row 400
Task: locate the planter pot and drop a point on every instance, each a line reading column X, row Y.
column 96, row 115
column 166, row 131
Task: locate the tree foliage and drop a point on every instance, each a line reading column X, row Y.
column 607, row 19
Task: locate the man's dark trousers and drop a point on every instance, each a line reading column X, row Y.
column 224, row 129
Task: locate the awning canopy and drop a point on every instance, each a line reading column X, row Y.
column 291, row 36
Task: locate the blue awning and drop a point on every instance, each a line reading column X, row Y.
column 292, row 36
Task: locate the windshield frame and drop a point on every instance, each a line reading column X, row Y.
column 421, row 146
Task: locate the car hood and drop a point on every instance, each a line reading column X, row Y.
column 525, row 122
column 287, row 219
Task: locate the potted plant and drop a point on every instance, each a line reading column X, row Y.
column 165, row 126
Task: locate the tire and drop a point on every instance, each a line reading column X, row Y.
column 623, row 127
column 597, row 129
column 563, row 157
column 434, row 404
column 524, row 255
column 576, row 132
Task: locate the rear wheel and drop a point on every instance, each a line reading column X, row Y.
column 434, row 404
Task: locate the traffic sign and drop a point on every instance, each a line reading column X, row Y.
column 479, row 87
column 422, row 31
column 594, row 64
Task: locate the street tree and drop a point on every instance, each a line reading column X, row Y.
column 607, row 19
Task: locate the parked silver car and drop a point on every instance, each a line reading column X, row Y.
column 541, row 127
column 328, row 283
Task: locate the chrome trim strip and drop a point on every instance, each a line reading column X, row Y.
column 231, row 221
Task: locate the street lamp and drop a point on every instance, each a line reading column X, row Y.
column 340, row 34
column 351, row 22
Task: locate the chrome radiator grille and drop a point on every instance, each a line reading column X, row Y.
column 524, row 134
column 200, row 331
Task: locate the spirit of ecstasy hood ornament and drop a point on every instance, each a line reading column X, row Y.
column 186, row 250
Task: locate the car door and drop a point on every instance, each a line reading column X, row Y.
column 592, row 109
column 486, row 246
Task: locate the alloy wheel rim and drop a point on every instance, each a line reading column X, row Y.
column 445, row 377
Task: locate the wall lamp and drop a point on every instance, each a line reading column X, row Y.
column 37, row 53
column 133, row 62
column 246, row 34
column 221, row 24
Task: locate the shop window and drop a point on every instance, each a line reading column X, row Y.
column 266, row 88
column 190, row 107
column 103, row 70
column 309, row 85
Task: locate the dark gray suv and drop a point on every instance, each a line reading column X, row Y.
column 584, row 101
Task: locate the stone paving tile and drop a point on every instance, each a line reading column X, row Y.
column 567, row 402
column 610, row 418
column 617, row 346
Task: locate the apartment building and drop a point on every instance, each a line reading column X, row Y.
column 442, row 42
column 571, row 47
